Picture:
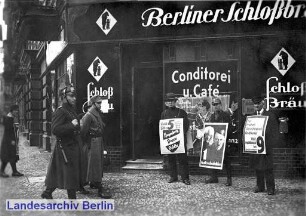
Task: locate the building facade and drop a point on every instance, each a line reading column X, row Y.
column 134, row 52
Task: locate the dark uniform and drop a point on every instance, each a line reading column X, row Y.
column 174, row 112
column 263, row 163
column 222, row 117
column 64, row 171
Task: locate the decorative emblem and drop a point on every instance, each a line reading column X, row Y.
column 97, row 69
column 283, row 61
column 106, row 21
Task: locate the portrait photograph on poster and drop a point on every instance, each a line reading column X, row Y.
column 213, row 145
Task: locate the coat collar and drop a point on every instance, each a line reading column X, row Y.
column 94, row 111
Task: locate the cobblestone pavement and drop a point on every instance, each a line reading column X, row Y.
column 150, row 194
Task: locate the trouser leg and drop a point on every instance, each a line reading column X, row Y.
column 3, row 165
column 172, row 166
column 184, row 169
column 260, row 180
column 71, row 193
column 13, row 165
column 228, row 168
column 270, row 181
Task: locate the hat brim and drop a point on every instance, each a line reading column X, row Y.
column 170, row 99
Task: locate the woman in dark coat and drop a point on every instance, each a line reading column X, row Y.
column 65, row 165
column 9, row 144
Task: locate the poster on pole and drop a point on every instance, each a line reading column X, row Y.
column 213, row 145
column 254, row 134
column 171, row 133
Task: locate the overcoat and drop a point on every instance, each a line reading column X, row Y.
column 92, row 131
column 9, row 151
column 265, row 161
column 62, row 174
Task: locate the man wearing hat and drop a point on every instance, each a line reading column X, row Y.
column 173, row 112
column 221, row 116
column 92, row 131
column 263, row 163
column 9, row 145
column 64, row 167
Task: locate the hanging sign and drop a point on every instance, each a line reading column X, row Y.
column 171, row 133
column 254, row 134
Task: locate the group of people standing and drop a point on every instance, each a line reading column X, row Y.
column 262, row 164
column 77, row 158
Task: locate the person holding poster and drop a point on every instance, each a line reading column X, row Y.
column 222, row 117
column 203, row 115
column 263, row 163
column 173, row 112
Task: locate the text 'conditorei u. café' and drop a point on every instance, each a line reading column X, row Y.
column 132, row 53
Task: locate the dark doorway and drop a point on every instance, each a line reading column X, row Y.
column 147, row 105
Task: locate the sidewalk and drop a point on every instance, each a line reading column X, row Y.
column 150, row 194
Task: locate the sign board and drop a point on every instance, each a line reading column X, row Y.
column 213, row 145
column 171, row 133
column 254, row 134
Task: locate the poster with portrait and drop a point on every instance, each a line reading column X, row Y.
column 191, row 105
column 171, row 133
column 213, row 145
column 254, row 134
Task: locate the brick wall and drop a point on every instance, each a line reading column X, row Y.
column 116, row 161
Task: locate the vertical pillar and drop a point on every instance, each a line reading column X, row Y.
column 46, row 112
column 34, row 114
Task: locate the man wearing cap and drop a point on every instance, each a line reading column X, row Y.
column 92, row 131
column 263, row 163
column 173, row 112
column 220, row 116
column 64, row 167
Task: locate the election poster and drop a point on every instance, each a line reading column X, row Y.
column 171, row 133
column 254, row 134
column 213, row 145
column 192, row 106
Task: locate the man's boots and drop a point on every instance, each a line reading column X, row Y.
column 102, row 194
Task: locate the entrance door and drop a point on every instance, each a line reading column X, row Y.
column 148, row 105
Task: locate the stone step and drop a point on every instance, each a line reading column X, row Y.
column 145, row 161
column 144, row 164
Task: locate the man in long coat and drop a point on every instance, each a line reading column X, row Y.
column 9, row 145
column 221, row 116
column 263, row 163
column 92, row 131
column 64, row 167
column 173, row 112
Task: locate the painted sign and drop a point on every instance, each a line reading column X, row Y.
column 201, row 79
column 107, row 93
column 171, row 133
column 283, row 61
column 190, row 15
column 213, row 145
column 106, row 21
column 294, row 92
column 254, row 134
column 97, row 68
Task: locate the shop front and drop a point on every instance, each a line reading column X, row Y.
column 132, row 53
